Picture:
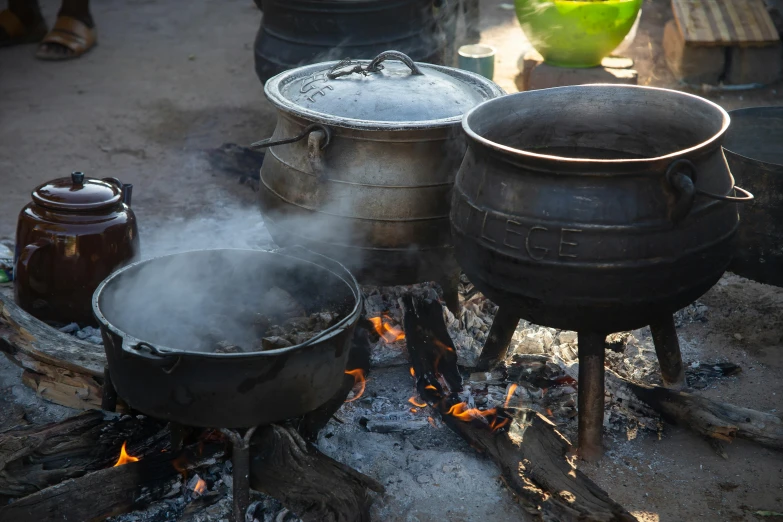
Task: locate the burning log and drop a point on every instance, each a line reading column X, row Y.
column 112, row 490
column 35, row 457
column 312, row 485
column 532, row 455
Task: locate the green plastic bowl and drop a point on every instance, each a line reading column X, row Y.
column 576, row 33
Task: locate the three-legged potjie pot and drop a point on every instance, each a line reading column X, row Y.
column 596, row 208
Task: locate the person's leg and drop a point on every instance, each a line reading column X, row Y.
column 21, row 23
column 73, row 33
column 79, row 9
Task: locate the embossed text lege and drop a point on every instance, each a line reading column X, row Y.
column 539, row 242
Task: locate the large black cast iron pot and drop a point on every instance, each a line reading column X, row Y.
column 754, row 150
column 595, row 207
column 303, row 32
column 160, row 318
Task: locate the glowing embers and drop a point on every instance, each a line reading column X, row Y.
column 384, row 326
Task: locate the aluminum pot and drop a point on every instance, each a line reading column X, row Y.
column 595, row 207
column 362, row 162
column 754, row 150
column 155, row 314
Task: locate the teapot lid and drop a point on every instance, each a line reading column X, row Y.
column 78, row 193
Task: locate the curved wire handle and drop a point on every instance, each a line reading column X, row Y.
column 373, row 66
column 688, row 165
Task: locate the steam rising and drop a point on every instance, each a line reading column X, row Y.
column 194, row 299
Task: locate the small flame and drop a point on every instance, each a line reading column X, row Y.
column 200, row 486
column 432, row 422
column 510, row 394
column 413, row 374
column 414, row 410
column 412, row 400
column 389, row 333
column 124, row 457
column 465, row 414
column 549, row 412
column 358, row 378
column 430, row 387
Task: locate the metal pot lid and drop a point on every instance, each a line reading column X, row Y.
column 78, row 193
column 390, row 92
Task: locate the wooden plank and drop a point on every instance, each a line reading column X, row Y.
column 22, row 333
column 724, row 23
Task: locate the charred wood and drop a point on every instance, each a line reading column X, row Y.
column 114, row 490
column 310, row 484
column 35, row 457
column 713, row 419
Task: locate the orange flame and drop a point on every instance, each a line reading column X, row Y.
column 358, row 378
column 432, row 422
column 465, row 414
column 510, row 394
column 549, row 412
column 124, row 457
column 200, row 487
column 414, row 410
column 430, row 387
column 413, row 374
column 385, row 329
column 412, row 400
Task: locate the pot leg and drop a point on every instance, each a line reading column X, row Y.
column 109, row 394
column 499, row 338
column 178, row 433
column 240, row 460
column 667, row 348
column 450, row 286
column 591, row 395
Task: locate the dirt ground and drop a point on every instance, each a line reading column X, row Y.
column 172, row 78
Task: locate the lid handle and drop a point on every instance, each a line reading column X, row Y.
column 77, row 178
column 373, row 66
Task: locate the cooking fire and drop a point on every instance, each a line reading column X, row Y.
column 450, row 276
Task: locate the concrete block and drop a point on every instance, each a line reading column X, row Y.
column 748, row 65
column 545, row 76
column 692, row 64
column 614, row 69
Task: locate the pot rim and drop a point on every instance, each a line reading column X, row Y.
column 330, row 332
column 573, row 161
column 272, row 90
column 750, row 111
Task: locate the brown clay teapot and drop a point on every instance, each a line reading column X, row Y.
column 74, row 233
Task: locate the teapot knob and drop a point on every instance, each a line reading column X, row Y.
column 77, row 178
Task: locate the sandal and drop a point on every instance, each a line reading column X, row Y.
column 70, row 33
column 16, row 32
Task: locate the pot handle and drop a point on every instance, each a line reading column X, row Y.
column 680, row 176
column 22, row 268
column 324, row 138
column 373, row 66
column 158, row 356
